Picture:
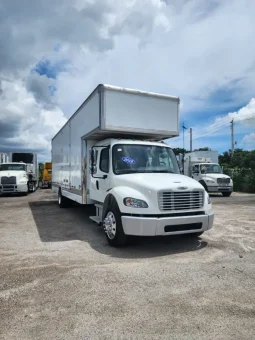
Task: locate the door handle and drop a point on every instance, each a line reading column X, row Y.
column 97, row 185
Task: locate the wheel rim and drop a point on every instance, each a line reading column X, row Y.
column 110, row 225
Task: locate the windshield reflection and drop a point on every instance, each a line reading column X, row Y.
column 135, row 158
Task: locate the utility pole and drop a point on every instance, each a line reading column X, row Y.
column 184, row 128
column 232, row 137
column 190, row 135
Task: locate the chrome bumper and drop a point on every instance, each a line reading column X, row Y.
column 13, row 188
column 150, row 226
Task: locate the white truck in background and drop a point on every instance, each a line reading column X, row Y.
column 110, row 154
column 19, row 174
column 204, row 167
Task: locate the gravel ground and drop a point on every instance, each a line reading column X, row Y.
column 59, row 279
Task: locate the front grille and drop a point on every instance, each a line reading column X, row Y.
column 8, row 188
column 188, row 200
column 8, row 180
column 223, row 180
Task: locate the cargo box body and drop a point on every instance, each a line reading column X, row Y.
column 109, row 112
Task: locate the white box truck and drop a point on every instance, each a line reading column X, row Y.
column 204, row 167
column 110, row 153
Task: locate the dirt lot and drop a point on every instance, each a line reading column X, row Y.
column 60, row 280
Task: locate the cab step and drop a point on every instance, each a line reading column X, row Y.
column 98, row 218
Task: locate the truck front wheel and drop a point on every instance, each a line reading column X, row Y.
column 113, row 227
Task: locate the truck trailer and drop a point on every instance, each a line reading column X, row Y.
column 204, row 167
column 111, row 153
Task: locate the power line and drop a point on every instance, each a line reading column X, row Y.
column 221, row 125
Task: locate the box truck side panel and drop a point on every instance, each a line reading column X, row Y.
column 67, row 145
column 136, row 112
column 61, row 158
column 85, row 121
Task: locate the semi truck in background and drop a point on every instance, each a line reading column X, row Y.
column 47, row 175
column 204, row 167
column 19, row 174
column 111, row 154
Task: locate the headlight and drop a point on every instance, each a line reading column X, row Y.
column 210, row 181
column 23, row 181
column 134, row 203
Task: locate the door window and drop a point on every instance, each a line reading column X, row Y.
column 104, row 160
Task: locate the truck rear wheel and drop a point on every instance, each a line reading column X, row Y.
column 113, row 227
column 63, row 202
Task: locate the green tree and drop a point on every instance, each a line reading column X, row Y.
column 203, row 149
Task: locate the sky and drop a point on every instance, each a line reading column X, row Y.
column 52, row 56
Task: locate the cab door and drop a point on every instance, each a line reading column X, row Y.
column 100, row 180
column 195, row 172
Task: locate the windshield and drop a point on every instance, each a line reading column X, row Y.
column 130, row 158
column 8, row 167
column 210, row 168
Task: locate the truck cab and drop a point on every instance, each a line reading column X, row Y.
column 211, row 176
column 13, row 178
column 138, row 190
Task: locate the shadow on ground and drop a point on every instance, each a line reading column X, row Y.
column 59, row 225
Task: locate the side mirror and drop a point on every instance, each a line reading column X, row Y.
column 92, row 156
column 93, row 169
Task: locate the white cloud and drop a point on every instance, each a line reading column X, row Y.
column 25, row 123
column 249, row 141
column 186, row 48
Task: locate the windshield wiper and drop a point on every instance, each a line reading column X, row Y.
column 123, row 172
column 161, row 171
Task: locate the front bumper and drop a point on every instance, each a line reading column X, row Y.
column 153, row 226
column 220, row 188
column 13, row 188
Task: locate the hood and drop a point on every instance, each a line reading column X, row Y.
column 9, row 173
column 157, row 181
column 215, row 176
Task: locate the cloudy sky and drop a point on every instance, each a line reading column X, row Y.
column 53, row 54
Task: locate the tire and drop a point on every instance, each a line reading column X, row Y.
column 31, row 187
column 63, row 202
column 226, row 194
column 113, row 227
